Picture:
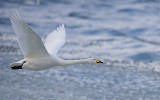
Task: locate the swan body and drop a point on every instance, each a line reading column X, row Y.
column 38, row 55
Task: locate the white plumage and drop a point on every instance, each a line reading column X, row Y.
column 39, row 56
column 55, row 40
column 30, row 42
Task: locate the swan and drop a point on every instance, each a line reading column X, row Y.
column 38, row 55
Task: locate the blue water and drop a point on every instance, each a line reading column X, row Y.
column 124, row 34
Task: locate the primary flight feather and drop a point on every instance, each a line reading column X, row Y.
column 39, row 56
column 55, row 40
column 30, row 42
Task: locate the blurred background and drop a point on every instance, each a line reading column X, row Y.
column 125, row 34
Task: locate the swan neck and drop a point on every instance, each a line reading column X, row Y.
column 71, row 62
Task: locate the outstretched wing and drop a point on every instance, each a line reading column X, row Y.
column 55, row 40
column 30, row 42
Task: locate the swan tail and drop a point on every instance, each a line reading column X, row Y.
column 17, row 65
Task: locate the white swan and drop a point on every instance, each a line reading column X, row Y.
column 39, row 56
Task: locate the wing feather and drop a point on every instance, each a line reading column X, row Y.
column 55, row 40
column 30, row 42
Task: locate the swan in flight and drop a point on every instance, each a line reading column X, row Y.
column 39, row 56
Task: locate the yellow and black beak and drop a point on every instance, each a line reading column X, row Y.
column 98, row 61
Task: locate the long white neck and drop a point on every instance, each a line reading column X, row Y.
column 71, row 62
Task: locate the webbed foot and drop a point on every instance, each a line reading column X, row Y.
column 16, row 67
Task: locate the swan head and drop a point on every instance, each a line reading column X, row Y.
column 97, row 61
column 93, row 60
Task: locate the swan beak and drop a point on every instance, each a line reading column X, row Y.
column 98, row 61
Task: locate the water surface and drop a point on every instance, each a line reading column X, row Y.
column 124, row 34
